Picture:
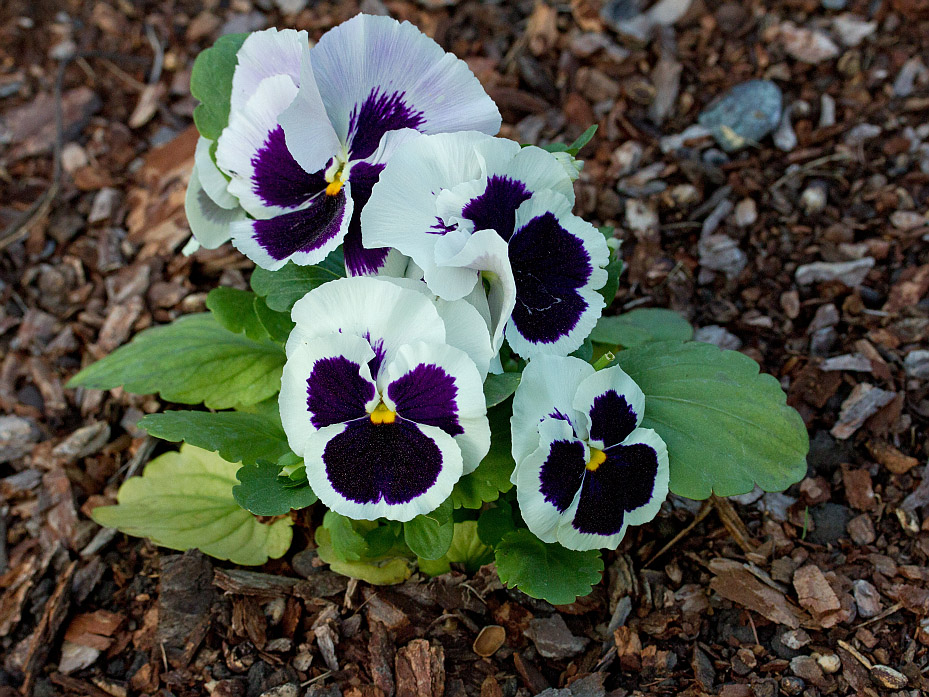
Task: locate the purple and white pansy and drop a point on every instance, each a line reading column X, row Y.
column 387, row 412
column 470, row 209
column 585, row 469
column 310, row 130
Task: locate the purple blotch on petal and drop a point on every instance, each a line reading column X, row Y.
column 427, row 395
column 624, row 482
column 495, row 208
column 359, row 260
column 303, row 230
column 562, row 473
column 336, row 392
column 278, row 180
column 611, row 418
column 549, row 265
column 374, row 365
column 379, row 113
column 441, row 228
column 369, row 462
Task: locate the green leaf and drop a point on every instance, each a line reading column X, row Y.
column 546, row 571
column 727, row 427
column 211, row 83
column 347, row 544
column 282, row 288
column 613, row 269
column 382, row 573
column 236, row 436
column 496, row 522
column 184, row 500
column 234, row 309
column 582, row 140
column 642, row 326
column 434, row 567
column 263, row 490
column 430, row 535
column 384, row 538
column 497, row 388
column 190, row 361
column 278, row 325
column 467, row 548
column 585, row 351
column 492, row 476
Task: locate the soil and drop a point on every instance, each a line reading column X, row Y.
column 823, row 589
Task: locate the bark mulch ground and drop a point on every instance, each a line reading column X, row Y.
column 808, row 251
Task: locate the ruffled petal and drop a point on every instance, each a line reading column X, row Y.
column 626, row 488
column 307, row 129
column 366, row 470
column 265, row 54
column 548, row 479
column 210, row 224
column 402, row 211
column 265, row 177
column 547, row 390
column 613, row 405
column 213, row 181
column 557, row 261
column 324, row 383
column 439, row 385
column 485, row 255
column 376, row 75
column 305, row 236
column 372, row 308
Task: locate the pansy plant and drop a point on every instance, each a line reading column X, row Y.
column 436, row 271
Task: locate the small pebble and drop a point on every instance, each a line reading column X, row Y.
column 916, row 364
column 826, row 111
column 807, row 45
column 867, row 598
column 744, row 115
column 852, row 30
column 746, row 212
column 907, row 220
column 830, row 663
column 719, row 336
column 792, row 685
column 814, row 197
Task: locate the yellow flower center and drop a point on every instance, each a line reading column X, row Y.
column 335, row 186
column 597, row 458
column 383, row 415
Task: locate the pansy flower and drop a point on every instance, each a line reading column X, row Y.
column 585, row 469
column 311, row 129
column 385, row 410
column 469, row 209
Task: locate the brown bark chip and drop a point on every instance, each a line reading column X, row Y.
column 814, row 592
column 184, row 604
column 420, row 669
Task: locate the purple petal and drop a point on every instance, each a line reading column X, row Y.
column 278, row 180
column 379, row 113
column 562, row 473
column 377, row 345
column 549, row 266
column 369, row 462
column 336, row 392
column 612, row 418
column 358, row 260
column 622, row 483
column 301, row 231
column 495, row 209
column 427, row 395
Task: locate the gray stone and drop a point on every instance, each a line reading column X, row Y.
column 851, row 273
column 916, row 364
column 553, row 639
column 719, row 336
column 744, row 115
column 829, row 521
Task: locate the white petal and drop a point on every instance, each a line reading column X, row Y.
column 369, row 53
column 468, row 396
column 265, row 54
column 602, row 381
column 485, row 253
column 548, row 385
column 309, row 132
column 539, row 171
column 210, row 224
column 541, row 515
column 295, row 414
column 402, row 210
column 369, row 307
column 248, row 132
column 212, row 180
column 598, row 254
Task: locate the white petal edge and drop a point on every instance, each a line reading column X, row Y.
column 366, row 305
column 265, row 54
column 212, row 180
column 210, row 225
